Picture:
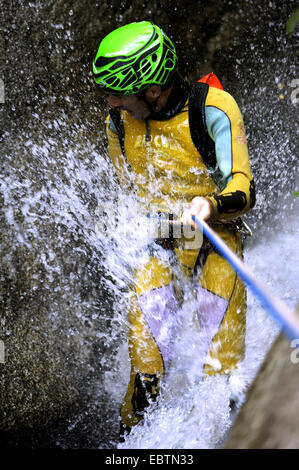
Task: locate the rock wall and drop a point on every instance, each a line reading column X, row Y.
column 59, row 325
column 269, row 417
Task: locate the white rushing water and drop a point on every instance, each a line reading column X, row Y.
column 64, row 285
column 194, row 413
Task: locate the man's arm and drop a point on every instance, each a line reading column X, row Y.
column 237, row 194
column 226, row 128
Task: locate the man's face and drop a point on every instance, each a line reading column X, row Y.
column 137, row 107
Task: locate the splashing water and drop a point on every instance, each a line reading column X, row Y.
column 82, row 277
column 195, row 413
column 64, row 285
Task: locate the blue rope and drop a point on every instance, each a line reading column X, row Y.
column 287, row 320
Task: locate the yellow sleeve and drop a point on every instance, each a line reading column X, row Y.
column 225, row 126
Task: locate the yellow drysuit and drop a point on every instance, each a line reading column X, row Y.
column 164, row 168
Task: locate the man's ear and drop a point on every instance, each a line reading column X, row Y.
column 153, row 93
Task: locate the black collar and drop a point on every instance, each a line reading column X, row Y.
column 176, row 101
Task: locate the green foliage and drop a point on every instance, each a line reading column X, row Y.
column 292, row 22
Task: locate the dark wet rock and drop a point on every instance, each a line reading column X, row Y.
column 58, row 321
column 269, row 417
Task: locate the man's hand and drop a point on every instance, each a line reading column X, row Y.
column 201, row 207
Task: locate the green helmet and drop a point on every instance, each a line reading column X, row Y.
column 133, row 57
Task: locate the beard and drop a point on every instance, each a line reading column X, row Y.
column 140, row 110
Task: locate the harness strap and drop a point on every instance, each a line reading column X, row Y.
column 197, row 123
column 119, row 125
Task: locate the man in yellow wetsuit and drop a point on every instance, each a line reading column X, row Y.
column 182, row 148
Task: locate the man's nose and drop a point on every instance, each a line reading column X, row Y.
column 114, row 101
